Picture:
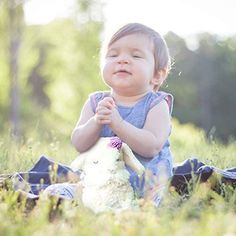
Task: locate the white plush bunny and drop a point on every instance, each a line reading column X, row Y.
column 105, row 179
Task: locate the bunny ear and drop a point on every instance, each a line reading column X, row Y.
column 131, row 161
column 78, row 163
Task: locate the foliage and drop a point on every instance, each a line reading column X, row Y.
column 189, row 141
column 195, row 215
column 203, row 81
column 65, row 56
column 59, row 67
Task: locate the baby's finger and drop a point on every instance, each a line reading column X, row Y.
column 103, row 120
column 104, row 105
column 109, row 102
column 103, row 110
column 102, row 116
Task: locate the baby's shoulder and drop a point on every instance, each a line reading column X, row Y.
column 97, row 96
column 157, row 97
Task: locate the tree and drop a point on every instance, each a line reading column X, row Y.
column 37, row 80
column 203, row 83
column 15, row 26
column 51, row 68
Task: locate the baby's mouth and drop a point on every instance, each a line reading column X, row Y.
column 122, row 72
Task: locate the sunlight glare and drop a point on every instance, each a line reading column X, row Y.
column 45, row 11
column 183, row 17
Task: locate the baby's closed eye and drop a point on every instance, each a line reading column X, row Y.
column 137, row 55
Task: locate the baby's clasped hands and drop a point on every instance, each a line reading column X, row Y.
column 105, row 110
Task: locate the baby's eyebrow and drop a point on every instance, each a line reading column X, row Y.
column 137, row 50
column 112, row 48
column 109, row 50
column 132, row 49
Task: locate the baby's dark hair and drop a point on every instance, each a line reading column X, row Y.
column 160, row 49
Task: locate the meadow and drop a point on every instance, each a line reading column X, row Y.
column 202, row 212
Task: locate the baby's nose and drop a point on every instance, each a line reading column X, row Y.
column 123, row 59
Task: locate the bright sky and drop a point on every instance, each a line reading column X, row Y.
column 184, row 17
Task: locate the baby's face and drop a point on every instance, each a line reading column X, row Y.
column 129, row 65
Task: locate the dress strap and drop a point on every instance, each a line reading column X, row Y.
column 163, row 95
column 95, row 97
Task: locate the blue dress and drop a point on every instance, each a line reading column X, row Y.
column 161, row 164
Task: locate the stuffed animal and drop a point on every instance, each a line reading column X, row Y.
column 104, row 177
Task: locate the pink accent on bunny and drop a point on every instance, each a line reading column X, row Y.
column 115, row 142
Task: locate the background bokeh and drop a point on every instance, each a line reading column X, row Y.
column 48, row 69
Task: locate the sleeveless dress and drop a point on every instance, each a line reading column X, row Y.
column 160, row 166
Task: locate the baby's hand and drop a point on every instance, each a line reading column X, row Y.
column 107, row 102
column 104, row 110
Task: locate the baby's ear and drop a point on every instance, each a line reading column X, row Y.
column 131, row 161
column 78, row 163
column 159, row 77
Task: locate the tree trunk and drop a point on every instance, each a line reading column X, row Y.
column 15, row 31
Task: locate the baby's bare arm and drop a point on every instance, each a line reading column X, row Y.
column 87, row 129
column 149, row 140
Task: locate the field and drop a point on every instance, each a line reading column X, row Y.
column 203, row 212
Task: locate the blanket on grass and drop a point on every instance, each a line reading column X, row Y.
column 46, row 172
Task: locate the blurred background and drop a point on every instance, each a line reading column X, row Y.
column 49, row 60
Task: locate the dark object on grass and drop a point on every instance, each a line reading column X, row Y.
column 46, row 172
column 192, row 170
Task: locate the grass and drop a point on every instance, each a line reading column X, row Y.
column 203, row 212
